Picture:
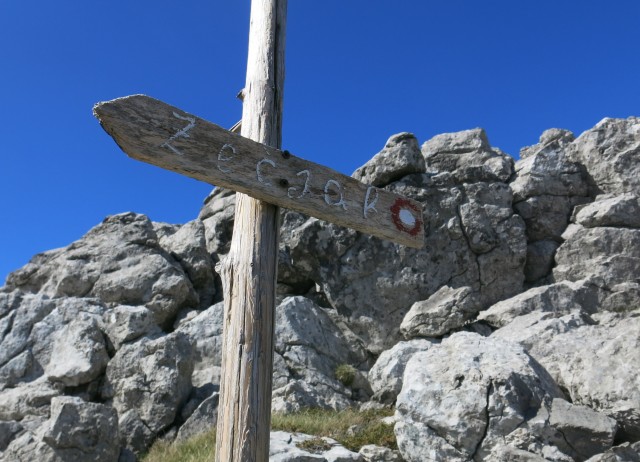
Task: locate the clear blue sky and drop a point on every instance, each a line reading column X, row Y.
column 358, row 71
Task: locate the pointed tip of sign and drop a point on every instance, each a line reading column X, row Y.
column 99, row 108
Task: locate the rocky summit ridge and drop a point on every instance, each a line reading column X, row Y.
column 513, row 335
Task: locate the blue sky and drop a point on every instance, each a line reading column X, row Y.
column 358, row 71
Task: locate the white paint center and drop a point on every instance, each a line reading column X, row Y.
column 407, row 218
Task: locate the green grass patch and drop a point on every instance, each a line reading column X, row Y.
column 201, row 448
column 351, row 428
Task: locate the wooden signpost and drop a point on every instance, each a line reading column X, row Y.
column 154, row 132
column 265, row 178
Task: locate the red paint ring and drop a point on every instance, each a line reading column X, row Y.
column 403, row 204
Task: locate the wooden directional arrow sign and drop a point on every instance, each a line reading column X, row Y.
column 154, row 132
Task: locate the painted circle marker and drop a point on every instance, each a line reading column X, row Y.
column 405, row 216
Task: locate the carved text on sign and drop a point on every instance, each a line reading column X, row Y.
column 404, row 213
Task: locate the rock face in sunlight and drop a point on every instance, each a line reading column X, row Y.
column 512, row 335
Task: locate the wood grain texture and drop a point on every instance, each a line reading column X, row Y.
column 249, row 271
column 154, row 132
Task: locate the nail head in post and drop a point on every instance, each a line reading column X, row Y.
column 284, row 182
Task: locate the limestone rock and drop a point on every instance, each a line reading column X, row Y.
column 551, row 141
column 401, row 156
column 547, row 216
column 20, row 314
column 284, row 448
column 135, row 436
column 594, row 358
column 540, row 259
column 609, row 153
column 79, row 354
column 461, row 398
column 203, row 419
column 76, row 431
column 444, row 311
column 546, row 171
column 123, row 324
column 546, row 188
column 29, row 399
column 8, row 431
column 217, row 216
column 204, row 332
column 82, row 430
column 373, row 453
column 586, row 432
column 386, row 374
column 152, row 377
column 468, row 156
column 610, row 253
column 188, row 247
column 560, row 298
column 373, row 283
column 311, row 347
column 119, row 262
column 616, row 211
column 622, row 453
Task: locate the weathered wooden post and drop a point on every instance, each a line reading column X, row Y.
column 249, row 271
column 253, row 165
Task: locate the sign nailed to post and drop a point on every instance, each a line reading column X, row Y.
column 157, row 133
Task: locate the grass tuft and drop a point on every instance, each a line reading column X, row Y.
column 346, row 374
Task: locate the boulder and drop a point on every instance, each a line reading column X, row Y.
column 547, row 216
column 385, row 376
column 8, row 431
column 559, row 298
column 135, row 435
column 586, row 432
column 76, row 431
column 400, row 156
column 545, row 170
column 204, row 332
column 309, row 348
column 617, row 211
column 288, row 447
column 593, row 358
column 79, row 354
column 203, row 419
column 551, row 141
column 28, row 399
column 21, row 313
column 444, row 311
column 187, row 245
column 373, row 453
column 468, row 156
column 217, row 216
column 612, row 254
column 152, row 377
column 461, row 399
column 625, row 452
column 609, row 153
column 119, row 262
column 546, row 188
column 124, row 324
